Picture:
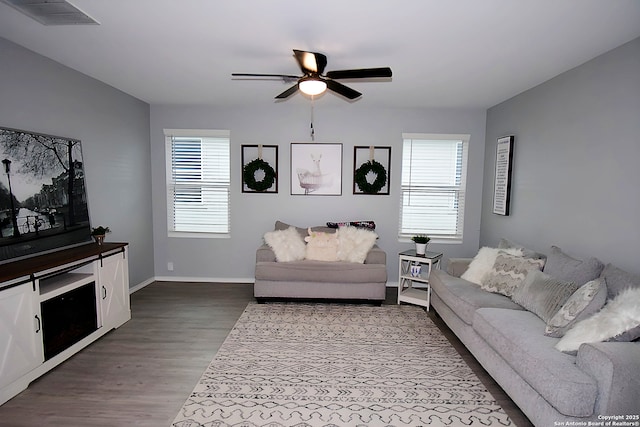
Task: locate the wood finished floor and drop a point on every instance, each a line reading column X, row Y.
column 141, row 373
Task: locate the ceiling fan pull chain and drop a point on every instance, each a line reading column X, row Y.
column 313, row 132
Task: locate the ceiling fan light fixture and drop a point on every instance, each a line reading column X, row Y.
column 312, row 86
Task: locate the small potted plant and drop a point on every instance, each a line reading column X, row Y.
column 98, row 233
column 421, row 241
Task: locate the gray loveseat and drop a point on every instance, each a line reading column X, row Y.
column 310, row 279
column 550, row 387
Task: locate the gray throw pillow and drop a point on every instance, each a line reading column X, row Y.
column 563, row 267
column 628, row 336
column 304, row 232
column 618, row 280
column 527, row 253
column 584, row 302
column 508, row 272
column 542, row 294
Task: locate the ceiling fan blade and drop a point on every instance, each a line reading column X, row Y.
column 342, row 89
column 310, row 62
column 287, row 93
column 362, row 73
column 279, row 76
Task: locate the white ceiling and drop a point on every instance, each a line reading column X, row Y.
column 443, row 53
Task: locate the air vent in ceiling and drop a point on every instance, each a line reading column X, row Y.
column 52, row 12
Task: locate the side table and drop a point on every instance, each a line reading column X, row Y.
column 406, row 280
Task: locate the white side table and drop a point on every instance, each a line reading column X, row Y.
column 406, row 290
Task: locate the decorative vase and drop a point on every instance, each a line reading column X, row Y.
column 421, row 248
column 415, row 269
column 99, row 238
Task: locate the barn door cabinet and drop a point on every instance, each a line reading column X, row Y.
column 54, row 305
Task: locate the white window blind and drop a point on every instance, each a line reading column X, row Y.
column 433, row 185
column 198, row 181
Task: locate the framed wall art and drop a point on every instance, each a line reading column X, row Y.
column 371, row 170
column 502, row 179
column 316, row 169
column 259, row 168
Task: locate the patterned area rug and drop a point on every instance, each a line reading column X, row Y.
column 313, row 365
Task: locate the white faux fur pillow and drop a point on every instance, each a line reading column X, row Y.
column 483, row 262
column 288, row 244
column 618, row 316
column 354, row 243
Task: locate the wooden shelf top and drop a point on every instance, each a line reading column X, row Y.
column 28, row 266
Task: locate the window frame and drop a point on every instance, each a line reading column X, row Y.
column 457, row 236
column 170, row 134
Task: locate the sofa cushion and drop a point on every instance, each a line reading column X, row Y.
column 518, row 337
column 527, row 253
column 287, row 244
column 321, row 271
column 376, row 256
column 482, row 263
column 303, row 231
column 464, row 297
column 584, row 302
column 542, row 294
column 508, row 272
column 617, row 280
column 563, row 267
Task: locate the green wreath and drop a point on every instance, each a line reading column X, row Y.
column 361, row 177
column 249, row 175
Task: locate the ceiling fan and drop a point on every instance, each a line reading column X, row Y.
column 314, row 81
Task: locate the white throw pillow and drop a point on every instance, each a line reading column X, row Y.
column 483, row 262
column 619, row 315
column 288, row 244
column 321, row 246
column 354, row 243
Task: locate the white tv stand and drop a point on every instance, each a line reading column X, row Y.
column 28, row 290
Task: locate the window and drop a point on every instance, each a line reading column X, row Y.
column 433, row 185
column 198, row 184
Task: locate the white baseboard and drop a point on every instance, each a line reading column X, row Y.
column 188, row 279
column 204, row 279
column 141, row 285
column 207, row 280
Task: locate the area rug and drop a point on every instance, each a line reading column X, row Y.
column 292, row 364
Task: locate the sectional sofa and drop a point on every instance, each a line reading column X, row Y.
column 552, row 387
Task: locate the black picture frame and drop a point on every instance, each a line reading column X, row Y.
column 316, row 169
column 251, row 153
column 362, row 155
column 502, row 176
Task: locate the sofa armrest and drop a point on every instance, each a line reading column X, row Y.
column 265, row 254
column 457, row 266
column 376, row 256
column 616, row 368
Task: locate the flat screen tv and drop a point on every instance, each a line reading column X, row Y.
column 43, row 198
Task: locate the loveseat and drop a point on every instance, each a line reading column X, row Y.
column 297, row 277
column 552, row 387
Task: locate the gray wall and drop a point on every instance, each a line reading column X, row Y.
column 255, row 214
column 576, row 179
column 40, row 95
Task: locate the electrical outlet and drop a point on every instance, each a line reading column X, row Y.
column 170, row 266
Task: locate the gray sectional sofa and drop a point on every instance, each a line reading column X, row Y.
column 310, row 279
column 551, row 387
